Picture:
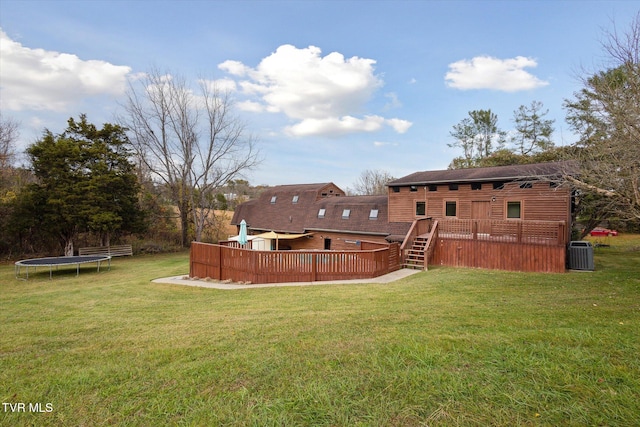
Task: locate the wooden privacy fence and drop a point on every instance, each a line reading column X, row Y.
column 536, row 246
column 220, row 262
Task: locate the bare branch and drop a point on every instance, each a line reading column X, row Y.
column 189, row 140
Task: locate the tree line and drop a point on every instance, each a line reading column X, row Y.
column 174, row 158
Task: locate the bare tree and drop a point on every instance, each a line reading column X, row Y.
column 191, row 141
column 606, row 116
column 372, row 182
column 8, row 137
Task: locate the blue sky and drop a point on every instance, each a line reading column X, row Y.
column 330, row 88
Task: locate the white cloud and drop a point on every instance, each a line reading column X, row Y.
column 393, row 102
column 46, row 80
column 485, row 72
column 383, row 144
column 400, row 126
column 334, row 126
column 233, row 67
column 322, row 95
column 251, row 106
column 224, row 85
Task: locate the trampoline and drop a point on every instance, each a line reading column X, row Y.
column 58, row 261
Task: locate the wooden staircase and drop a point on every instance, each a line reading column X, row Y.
column 415, row 255
column 422, row 247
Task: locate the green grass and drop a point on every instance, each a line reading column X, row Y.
column 442, row 348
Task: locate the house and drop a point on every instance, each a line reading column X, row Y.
column 518, row 193
column 514, row 217
column 509, row 217
column 318, row 217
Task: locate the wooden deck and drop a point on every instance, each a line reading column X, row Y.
column 534, row 246
column 221, row 262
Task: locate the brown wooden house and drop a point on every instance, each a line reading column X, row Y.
column 518, row 192
column 510, row 218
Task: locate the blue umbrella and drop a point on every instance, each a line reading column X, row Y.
column 242, row 238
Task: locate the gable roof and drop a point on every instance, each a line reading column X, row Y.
column 496, row 173
column 284, row 216
column 284, row 208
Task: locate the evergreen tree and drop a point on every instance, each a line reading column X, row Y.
column 85, row 182
column 478, row 136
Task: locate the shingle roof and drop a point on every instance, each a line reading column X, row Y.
column 496, row 173
column 358, row 220
column 283, row 208
column 288, row 217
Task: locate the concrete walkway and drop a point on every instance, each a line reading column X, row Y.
column 387, row 278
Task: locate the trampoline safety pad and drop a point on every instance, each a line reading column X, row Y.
column 60, row 261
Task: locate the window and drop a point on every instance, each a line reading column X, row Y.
column 295, row 199
column 450, row 209
column 395, row 189
column 321, row 213
column 433, row 187
column 498, row 185
column 453, row 187
column 273, row 199
column 526, row 185
column 476, row 186
column 413, row 188
column 373, row 214
column 346, row 213
column 421, row 208
column 514, row 209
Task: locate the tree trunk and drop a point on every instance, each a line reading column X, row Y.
column 68, row 247
column 184, row 224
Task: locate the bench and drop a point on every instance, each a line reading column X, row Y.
column 119, row 250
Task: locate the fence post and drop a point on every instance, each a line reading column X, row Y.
column 191, row 262
column 220, row 257
column 314, row 267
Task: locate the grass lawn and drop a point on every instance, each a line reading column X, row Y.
column 445, row 347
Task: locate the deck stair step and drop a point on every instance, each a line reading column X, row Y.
column 415, row 255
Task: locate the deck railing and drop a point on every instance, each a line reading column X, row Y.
column 552, row 233
column 220, row 262
column 431, row 244
column 419, row 227
column 502, row 244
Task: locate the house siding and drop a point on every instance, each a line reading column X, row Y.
column 541, row 202
column 339, row 241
